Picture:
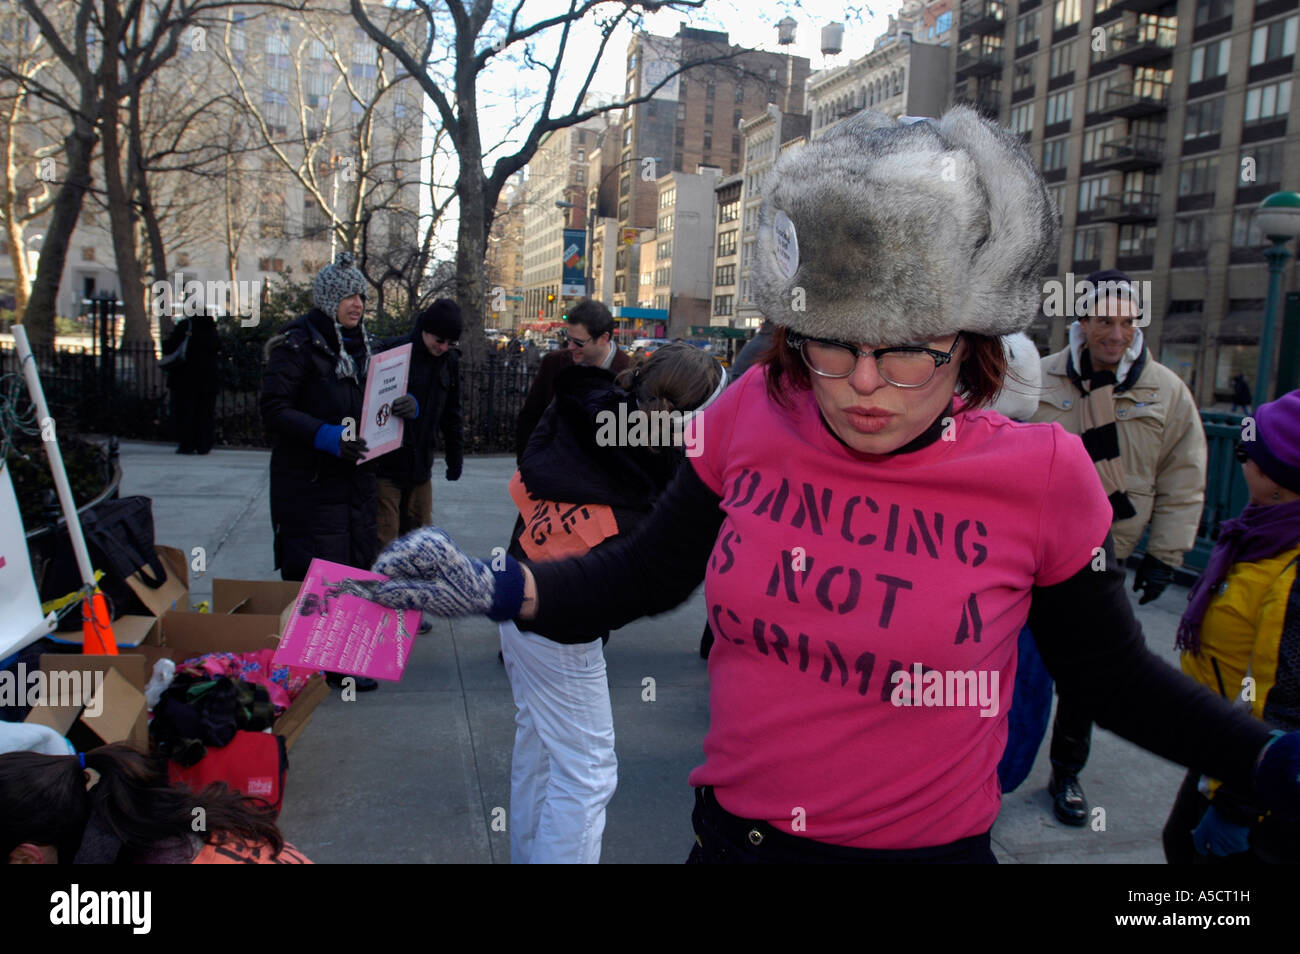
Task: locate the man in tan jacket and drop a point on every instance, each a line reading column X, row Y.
column 1143, row 430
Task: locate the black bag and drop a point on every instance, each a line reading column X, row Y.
column 119, row 536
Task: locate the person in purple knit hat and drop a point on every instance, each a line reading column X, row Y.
column 1240, row 638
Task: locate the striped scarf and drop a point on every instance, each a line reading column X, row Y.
column 1100, row 432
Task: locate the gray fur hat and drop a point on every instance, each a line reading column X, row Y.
column 335, row 282
column 884, row 233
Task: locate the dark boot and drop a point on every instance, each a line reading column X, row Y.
column 1068, row 801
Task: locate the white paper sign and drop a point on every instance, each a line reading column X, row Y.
column 381, row 429
column 21, row 623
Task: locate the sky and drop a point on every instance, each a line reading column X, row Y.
column 508, row 94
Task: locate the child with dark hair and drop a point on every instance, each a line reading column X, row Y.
column 114, row 805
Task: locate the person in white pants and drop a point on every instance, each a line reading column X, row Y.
column 564, row 770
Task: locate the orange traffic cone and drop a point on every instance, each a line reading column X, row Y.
column 96, row 628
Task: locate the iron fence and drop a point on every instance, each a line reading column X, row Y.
column 123, row 392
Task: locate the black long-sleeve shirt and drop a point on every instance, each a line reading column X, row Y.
column 1085, row 629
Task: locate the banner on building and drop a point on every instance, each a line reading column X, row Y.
column 660, row 56
column 573, row 279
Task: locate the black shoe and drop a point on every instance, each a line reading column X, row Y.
column 363, row 683
column 1068, row 801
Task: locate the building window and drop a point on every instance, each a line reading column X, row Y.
column 727, row 243
column 1204, row 118
column 1057, row 194
column 1270, row 101
column 1022, row 118
column 1061, row 60
column 735, row 119
column 709, row 90
column 1066, row 13
column 1055, row 153
column 1137, row 240
column 1191, row 233
column 668, row 198
column 1109, row 41
column 1261, row 164
column 722, row 305
column 1097, row 87
column 1272, row 41
column 1060, row 107
column 1093, row 140
column 664, row 249
column 1090, row 190
column 1197, row 176
column 627, row 135
column 729, row 211
column 1245, row 229
column 1027, row 28
column 1208, row 10
column 1087, row 244
column 740, row 91
column 1022, row 73
column 87, row 253
column 1209, row 60
column 725, row 275
column 625, row 185
column 665, row 223
column 735, row 144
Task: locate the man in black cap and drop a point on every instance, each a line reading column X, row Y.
column 431, row 405
column 1140, row 424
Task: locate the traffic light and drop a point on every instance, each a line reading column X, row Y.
column 550, row 297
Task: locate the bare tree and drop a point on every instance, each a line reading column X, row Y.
column 108, row 49
column 457, row 47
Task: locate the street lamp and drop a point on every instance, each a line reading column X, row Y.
column 1278, row 217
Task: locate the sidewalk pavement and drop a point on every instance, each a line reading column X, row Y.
column 419, row 771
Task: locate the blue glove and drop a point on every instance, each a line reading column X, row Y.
column 1219, row 837
column 329, row 437
column 427, row 571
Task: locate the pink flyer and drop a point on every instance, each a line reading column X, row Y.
column 333, row 627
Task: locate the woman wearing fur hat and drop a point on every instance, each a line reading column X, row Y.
column 1239, row 638
column 871, row 544
column 323, row 503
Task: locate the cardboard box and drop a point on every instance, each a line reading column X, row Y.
column 132, row 630
column 249, row 615
column 119, row 702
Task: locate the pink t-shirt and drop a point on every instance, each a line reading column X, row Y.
column 835, row 571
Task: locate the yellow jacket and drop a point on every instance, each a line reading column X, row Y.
column 1244, row 635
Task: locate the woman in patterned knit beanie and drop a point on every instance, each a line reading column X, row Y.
column 323, row 497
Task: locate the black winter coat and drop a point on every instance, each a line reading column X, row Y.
column 197, row 373
column 321, row 506
column 435, row 385
column 564, row 463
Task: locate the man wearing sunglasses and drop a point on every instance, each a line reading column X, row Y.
column 1140, row 424
column 588, row 340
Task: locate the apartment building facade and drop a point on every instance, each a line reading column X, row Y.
column 1159, row 127
column 690, row 121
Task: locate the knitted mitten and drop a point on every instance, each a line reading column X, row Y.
column 427, row 571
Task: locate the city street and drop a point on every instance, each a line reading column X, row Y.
column 419, row 771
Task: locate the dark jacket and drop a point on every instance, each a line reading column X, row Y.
column 563, row 462
column 754, row 349
column 543, row 389
column 320, row 505
column 197, row 372
column 435, row 385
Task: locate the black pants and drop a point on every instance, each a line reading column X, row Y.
column 1071, row 737
column 193, row 417
column 723, row 838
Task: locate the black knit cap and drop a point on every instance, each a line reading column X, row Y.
column 442, row 319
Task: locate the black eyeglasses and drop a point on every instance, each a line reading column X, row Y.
column 568, row 339
column 1240, row 453
column 909, row 366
